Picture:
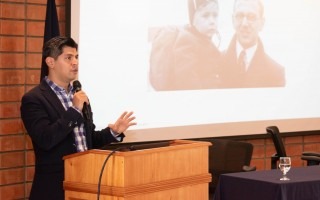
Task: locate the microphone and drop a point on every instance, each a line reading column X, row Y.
column 85, row 110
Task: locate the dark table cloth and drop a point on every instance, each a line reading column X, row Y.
column 304, row 184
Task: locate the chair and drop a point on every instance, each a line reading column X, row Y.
column 312, row 158
column 278, row 144
column 227, row 156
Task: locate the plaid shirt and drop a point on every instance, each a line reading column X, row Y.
column 66, row 100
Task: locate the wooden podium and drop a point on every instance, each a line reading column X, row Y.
column 176, row 172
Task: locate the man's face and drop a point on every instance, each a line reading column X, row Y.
column 247, row 22
column 65, row 67
column 205, row 19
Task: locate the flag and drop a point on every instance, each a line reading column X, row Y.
column 51, row 29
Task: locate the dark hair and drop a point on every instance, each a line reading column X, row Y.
column 54, row 47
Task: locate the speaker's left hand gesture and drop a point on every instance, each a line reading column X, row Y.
column 123, row 122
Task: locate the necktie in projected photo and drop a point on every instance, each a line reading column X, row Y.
column 242, row 62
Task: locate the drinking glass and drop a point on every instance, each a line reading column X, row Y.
column 284, row 165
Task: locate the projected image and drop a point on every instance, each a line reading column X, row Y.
column 175, row 64
column 186, row 58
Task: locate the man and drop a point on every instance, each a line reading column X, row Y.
column 52, row 115
column 185, row 58
column 245, row 62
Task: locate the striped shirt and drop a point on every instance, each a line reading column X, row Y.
column 66, row 100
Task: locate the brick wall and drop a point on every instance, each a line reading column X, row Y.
column 295, row 145
column 21, row 39
column 21, row 32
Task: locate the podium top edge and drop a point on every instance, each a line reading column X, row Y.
column 174, row 145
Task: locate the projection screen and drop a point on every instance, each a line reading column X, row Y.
column 115, row 41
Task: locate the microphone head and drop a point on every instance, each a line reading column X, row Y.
column 76, row 85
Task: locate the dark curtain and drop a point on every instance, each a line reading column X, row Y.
column 51, row 29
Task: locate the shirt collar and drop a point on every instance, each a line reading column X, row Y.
column 249, row 51
column 55, row 87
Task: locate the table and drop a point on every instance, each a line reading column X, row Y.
column 304, row 184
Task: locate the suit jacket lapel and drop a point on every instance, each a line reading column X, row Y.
column 51, row 97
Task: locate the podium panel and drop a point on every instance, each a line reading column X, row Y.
column 177, row 171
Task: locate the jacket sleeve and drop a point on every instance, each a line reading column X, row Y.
column 98, row 138
column 44, row 124
column 104, row 137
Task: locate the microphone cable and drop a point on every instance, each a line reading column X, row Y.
column 103, row 166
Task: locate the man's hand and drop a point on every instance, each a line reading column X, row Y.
column 79, row 98
column 123, row 122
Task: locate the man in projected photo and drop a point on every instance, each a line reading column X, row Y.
column 185, row 58
column 245, row 62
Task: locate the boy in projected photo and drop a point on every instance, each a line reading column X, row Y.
column 185, row 58
column 245, row 62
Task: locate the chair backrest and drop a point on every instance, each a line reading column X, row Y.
column 277, row 140
column 227, row 156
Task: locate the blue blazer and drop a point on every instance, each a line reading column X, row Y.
column 50, row 127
